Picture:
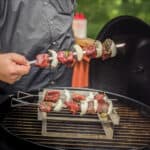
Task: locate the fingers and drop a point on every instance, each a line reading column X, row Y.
column 12, row 79
column 22, row 66
column 22, row 69
column 19, row 59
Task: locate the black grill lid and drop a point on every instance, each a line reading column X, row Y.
column 128, row 73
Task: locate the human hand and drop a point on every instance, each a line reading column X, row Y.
column 12, row 67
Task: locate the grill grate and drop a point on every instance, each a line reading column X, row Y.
column 132, row 132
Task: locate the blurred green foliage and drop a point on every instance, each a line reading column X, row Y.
column 99, row 12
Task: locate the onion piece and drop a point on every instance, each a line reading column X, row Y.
column 79, row 52
column 105, row 98
column 113, row 49
column 99, row 48
column 59, row 105
column 84, row 107
column 95, row 105
column 54, row 61
column 67, row 95
column 110, row 108
column 90, row 97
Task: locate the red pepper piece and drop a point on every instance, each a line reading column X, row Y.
column 78, row 97
column 72, row 106
column 52, row 96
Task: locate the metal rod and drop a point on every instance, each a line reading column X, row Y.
column 120, row 45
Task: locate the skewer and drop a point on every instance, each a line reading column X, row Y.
column 32, row 62
column 120, row 45
column 74, row 53
column 50, row 58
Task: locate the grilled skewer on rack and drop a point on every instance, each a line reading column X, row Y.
column 75, row 102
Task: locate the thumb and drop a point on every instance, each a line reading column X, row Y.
column 19, row 59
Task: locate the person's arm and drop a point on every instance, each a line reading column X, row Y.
column 12, row 67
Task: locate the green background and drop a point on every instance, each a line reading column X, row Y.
column 99, row 12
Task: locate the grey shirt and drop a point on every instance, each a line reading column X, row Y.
column 30, row 27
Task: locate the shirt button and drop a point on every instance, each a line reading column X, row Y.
column 51, row 22
column 52, row 82
column 54, row 43
column 45, row 3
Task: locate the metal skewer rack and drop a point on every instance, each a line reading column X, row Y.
column 107, row 123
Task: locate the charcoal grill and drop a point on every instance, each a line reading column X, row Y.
column 133, row 132
column 20, row 128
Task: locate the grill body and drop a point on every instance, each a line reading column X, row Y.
column 133, row 132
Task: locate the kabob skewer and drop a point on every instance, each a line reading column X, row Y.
column 93, row 103
column 91, row 49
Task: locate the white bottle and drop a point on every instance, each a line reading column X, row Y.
column 80, row 25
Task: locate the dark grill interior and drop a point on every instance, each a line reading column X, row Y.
column 133, row 131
